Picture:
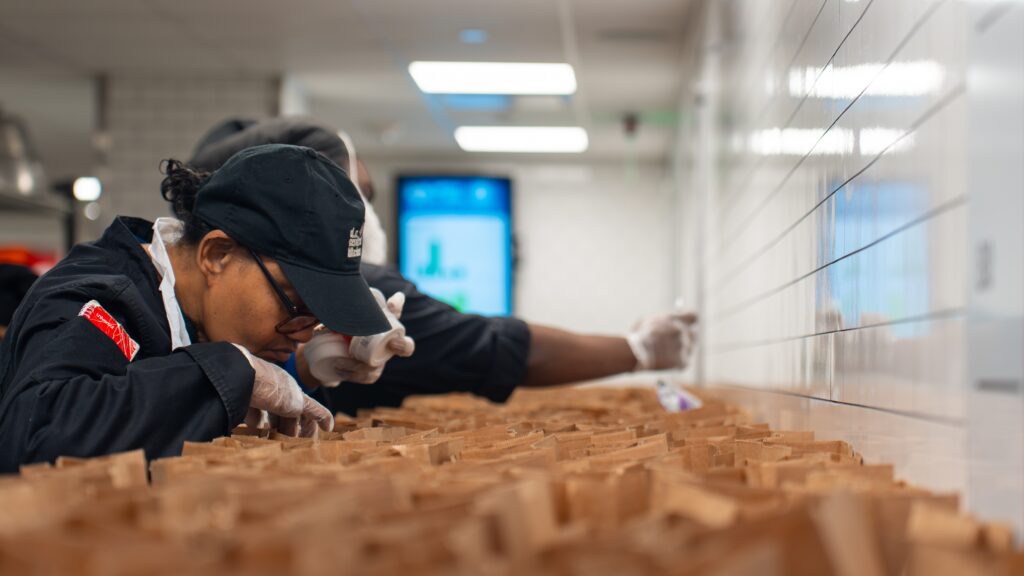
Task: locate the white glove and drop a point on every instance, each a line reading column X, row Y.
column 367, row 355
column 274, row 391
column 664, row 341
column 398, row 343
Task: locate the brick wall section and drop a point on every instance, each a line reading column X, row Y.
column 150, row 119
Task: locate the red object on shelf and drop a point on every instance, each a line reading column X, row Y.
column 38, row 261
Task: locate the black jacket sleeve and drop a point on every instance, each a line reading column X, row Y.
column 455, row 352
column 70, row 390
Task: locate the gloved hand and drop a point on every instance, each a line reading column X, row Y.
column 400, row 344
column 368, row 354
column 663, row 341
column 274, row 391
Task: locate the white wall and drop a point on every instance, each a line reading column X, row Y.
column 996, row 307
column 594, row 239
column 829, row 152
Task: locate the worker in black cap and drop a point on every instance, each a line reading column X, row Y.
column 15, row 281
column 157, row 334
column 455, row 352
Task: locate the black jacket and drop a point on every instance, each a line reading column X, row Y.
column 67, row 389
column 455, row 352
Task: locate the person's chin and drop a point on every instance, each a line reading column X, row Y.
column 277, row 356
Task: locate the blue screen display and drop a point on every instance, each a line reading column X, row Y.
column 455, row 240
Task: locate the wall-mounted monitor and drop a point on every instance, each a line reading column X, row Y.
column 455, row 240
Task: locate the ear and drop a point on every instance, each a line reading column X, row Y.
column 365, row 184
column 216, row 253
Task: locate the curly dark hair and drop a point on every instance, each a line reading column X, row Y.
column 179, row 187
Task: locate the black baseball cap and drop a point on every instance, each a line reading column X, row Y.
column 234, row 134
column 292, row 204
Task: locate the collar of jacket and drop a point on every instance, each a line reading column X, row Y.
column 126, row 234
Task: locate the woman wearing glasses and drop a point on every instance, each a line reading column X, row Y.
column 160, row 333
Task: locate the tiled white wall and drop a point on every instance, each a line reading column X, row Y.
column 838, row 265
column 151, row 118
column 828, row 150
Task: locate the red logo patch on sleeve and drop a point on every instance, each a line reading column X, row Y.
column 100, row 318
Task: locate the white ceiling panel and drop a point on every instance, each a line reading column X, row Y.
column 352, row 55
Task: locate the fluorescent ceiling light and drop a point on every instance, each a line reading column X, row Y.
column 522, row 138
column 493, row 78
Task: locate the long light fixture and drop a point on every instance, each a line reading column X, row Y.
column 819, row 142
column 540, row 139
column 898, row 79
column 523, row 78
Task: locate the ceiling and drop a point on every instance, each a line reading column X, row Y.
column 349, row 58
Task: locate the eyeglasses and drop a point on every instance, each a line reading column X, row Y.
column 298, row 320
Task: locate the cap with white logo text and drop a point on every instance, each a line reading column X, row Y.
column 292, row 204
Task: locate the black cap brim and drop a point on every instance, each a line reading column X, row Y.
column 342, row 302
